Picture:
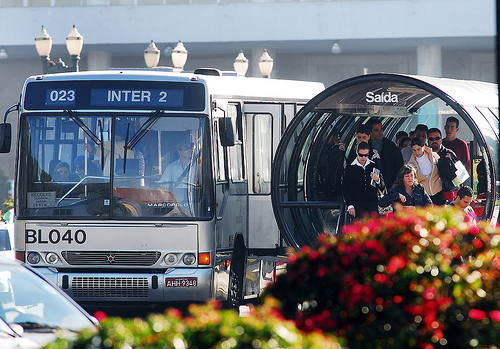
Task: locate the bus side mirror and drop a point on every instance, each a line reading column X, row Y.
column 5, row 137
column 226, row 132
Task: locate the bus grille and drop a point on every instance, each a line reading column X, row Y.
column 109, row 287
column 132, row 258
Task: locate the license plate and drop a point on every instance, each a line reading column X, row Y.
column 181, row 282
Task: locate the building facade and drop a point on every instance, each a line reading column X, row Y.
column 443, row 38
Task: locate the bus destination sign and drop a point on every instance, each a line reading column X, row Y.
column 114, row 95
column 153, row 98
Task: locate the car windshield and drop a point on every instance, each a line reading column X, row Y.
column 28, row 300
column 79, row 165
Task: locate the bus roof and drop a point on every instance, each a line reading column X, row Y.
column 222, row 86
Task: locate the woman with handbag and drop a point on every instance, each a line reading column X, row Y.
column 406, row 190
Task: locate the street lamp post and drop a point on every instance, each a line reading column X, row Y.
column 266, row 64
column 241, row 64
column 179, row 55
column 74, row 45
column 152, row 55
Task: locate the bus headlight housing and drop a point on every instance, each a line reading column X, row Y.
column 171, row 258
column 33, row 258
column 189, row 259
column 51, row 258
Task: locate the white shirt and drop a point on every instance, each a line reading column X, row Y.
column 356, row 162
column 172, row 174
column 425, row 165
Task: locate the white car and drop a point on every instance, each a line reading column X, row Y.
column 33, row 310
column 7, row 240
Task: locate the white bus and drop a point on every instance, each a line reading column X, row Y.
column 183, row 213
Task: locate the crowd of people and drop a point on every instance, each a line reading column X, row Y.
column 418, row 169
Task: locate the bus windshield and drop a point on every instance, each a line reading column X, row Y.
column 81, row 165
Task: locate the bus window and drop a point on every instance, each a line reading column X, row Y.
column 261, row 152
column 236, row 163
column 219, row 157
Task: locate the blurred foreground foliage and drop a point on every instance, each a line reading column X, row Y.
column 420, row 278
column 206, row 326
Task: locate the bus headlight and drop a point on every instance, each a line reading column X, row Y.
column 51, row 258
column 171, row 258
column 33, row 258
column 189, row 259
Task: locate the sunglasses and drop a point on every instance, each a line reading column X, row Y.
column 363, row 155
column 434, row 138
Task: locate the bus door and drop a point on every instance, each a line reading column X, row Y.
column 263, row 129
column 231, row 183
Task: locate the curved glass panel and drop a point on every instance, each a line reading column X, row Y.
column 309, row 163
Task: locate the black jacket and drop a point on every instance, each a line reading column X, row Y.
column 356, row 186
column 330, row 170
column 418, row 197
column 446, row 168
column 391, row 160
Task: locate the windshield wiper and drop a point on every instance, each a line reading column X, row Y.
column 143, row 130
column 88, row 132
column 136, row 138
column 125, row 149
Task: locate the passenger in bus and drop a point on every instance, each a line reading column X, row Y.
column 120, row 135
column 331, row 167
column 446, row 163
column 458, row 145
column 463, row 200
column 178, row 173
column 62, row 173
column 91, row 170
column 362, row 183
column 424, row 160
column 406, row 190
column 391, row 159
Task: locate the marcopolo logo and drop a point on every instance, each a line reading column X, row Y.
column 384, row 97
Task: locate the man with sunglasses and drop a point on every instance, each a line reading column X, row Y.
column 362, row 181
column 445, row 165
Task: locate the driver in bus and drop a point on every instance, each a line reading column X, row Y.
column 177, row 174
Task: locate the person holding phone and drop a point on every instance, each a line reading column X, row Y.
column 362, row 183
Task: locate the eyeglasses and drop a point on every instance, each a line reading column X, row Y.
column 186, row 148
column 63, row 171
column 434, row 138
column 363, row 155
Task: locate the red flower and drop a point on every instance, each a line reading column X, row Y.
column 380, row 278
column 430, row 293
column 477, row 243
column 100, row 316
column 477, row 314
column 495, row 315
column 395, row 263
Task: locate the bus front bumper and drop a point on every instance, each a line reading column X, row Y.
column 191, row 285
